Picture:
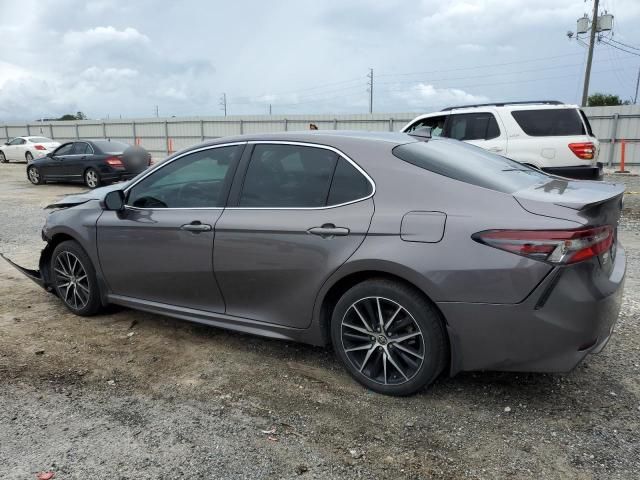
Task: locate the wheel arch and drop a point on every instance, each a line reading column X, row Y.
column 334, row 288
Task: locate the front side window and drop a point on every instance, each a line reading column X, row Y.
column 473, row 126
column 436, row 124
column 197, row 180
column 64, row 149
column 17, row 141
column 549, row 122
column 288, row 176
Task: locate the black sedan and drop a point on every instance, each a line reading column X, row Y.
column 93, row 162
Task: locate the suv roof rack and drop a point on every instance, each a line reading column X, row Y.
column 502, row 104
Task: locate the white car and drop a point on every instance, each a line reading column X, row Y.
column 549, row 135
column 26, row 149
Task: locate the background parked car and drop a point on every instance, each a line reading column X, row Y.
column 549, row 135
column 93, row 162
column 25, row 149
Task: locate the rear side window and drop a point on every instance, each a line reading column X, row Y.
column 281, row 176
column 550, row 122
column 470, row 164
column 81, row 148
column 472, row 126
column 587, row 124
column 348, row 184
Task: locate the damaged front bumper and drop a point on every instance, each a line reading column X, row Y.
column 41, row 276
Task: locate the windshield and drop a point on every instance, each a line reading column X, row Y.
column 470, row 164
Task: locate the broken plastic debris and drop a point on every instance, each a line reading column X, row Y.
column 45, row 475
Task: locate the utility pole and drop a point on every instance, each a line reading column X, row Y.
column 156, row 111
column 635, row 99
column 592, row 40
column 223, row 103
column 370, row 76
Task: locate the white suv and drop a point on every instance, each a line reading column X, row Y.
column 549, row 135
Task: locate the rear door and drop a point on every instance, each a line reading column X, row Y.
column 77, row 161
column 478, row 128
column 160, row 249
column 297, row 212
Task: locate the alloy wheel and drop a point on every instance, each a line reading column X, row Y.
column 29, row 157
column 34, row 175
column 72, row 281
column 91, row 177
column 382, row 340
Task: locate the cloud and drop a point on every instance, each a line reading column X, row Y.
column 426, row 95
column 99, row 36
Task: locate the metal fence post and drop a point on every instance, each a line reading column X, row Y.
column 6, row 132
column 391, row 124
column 241, row 127
column 135, row 135
column 28, row 130
column 614, row 131
column 104, row 130
column 335, row 123
column 286, row 124
column 51, row 131
column 202, row 130
column 166, row 136
column 77, row 131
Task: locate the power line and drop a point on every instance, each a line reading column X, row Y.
column 620, row 48
column 624, row 44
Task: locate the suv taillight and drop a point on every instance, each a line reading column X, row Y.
column 583, row 150
column 555, row 246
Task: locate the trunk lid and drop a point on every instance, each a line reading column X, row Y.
column 580, row 201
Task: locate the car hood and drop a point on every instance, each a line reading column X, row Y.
column 84, row 197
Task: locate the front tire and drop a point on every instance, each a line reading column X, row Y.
column 28, row 157
column 92, row 178
column 74, row 279
column 389, row 337
column 34, row 175
column 3, row 158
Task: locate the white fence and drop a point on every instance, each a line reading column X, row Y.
column 166, row 135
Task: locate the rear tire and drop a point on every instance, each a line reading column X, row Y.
column 33, row 174
column 28, row 157
column 3, row 158
column 92, row 178
column 389, row 337
column 74, row 279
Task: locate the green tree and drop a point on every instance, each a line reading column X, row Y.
column 604, row 100
column 71, row 116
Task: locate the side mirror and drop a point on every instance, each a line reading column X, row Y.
column 114, row 201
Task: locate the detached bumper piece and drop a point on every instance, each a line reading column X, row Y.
column 36, row 275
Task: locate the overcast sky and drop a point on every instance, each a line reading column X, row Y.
column 113, row 57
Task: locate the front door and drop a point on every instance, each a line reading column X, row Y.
column 160, row 248
column 302, row 212
column 55, row 169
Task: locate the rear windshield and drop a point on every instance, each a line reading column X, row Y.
column 470, row 164
column 40, row 140
column 550, row 122
column 107, row 146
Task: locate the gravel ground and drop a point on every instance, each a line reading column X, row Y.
column 134, row 395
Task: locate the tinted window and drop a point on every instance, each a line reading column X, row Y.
column 470, row 164
column 587, row 123
column 348, row 184
column 17, row 141
column 288, row 176
column 81, row 148
column 473, row 126
column 64, row 149
column 107, row 146
column 550, row 123
column 197, row 180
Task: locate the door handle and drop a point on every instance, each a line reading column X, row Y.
column 196, row 227
column 329, row 230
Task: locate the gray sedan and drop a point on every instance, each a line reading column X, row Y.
column 413, row 257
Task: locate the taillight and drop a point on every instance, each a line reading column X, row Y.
column 583, row 150
column 114, row 162
column 555, row 246
column 39, row 147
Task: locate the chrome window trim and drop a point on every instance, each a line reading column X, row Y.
column 256, row 142
column 168, row 162
column 313, row 145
